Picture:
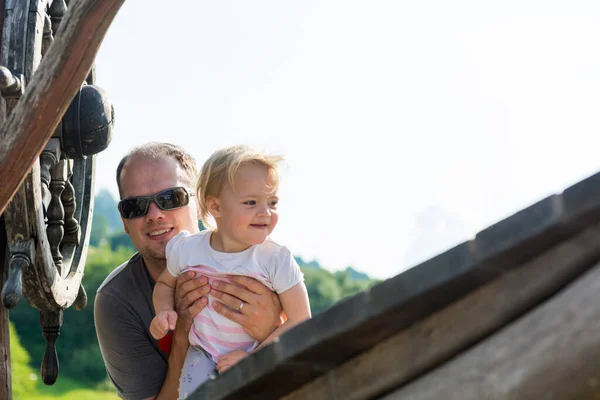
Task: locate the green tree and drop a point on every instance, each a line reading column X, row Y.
column 120, row 239
column 106, row 205
column 326, row 288
column 323, row 289
column 100, row 230
column 77, row 344
column 23, row 376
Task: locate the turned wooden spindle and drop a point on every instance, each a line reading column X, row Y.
column 51, row 322
column 11, row 86
column 56, row 213
column 57, row 11
column 48, row 36
column 47, row 161
column 72, row 233
column 13, row 288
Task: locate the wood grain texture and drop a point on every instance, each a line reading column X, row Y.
column 550, row 353
column 59, row 76
column 445, row 334
column 5, row 375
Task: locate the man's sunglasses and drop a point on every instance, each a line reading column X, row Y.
column 170, row 199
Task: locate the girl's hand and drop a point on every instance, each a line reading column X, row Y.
column 230, row 359
column 163, row 323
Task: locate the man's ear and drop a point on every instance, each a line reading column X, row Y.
column 125, row 226
column 214, row 207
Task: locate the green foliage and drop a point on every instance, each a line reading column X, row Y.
column 323, row 289
column 106, row 206
column 70, row 389
column 26, row 384
column 356, row 275
column 99, row 231
column 23, row 376
column 120, row 239
column 326, row 288
column 77, row 342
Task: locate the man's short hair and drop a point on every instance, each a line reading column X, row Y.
column 158, row 150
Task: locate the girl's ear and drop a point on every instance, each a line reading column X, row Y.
column 213, row 206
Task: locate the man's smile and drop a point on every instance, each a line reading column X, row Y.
column 159, row 233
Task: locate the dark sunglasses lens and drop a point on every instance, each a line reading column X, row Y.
column 172, row 198
column 134, row 208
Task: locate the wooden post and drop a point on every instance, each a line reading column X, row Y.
column 5, row 377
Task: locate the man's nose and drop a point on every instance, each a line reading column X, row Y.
column 154, row 212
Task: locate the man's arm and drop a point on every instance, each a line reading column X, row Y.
column 189, row 301
column 134, row 365
column 261, row 313
column 132, row 360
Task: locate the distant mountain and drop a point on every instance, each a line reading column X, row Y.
column 357, row 275
column 307, row 264
column 314, row 264
column 106, row 206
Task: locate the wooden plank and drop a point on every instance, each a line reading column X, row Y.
column 59, row 76
column 436, row 339
column 354, row 325
column 5, row 372
column 551, row 353
column 5, row 376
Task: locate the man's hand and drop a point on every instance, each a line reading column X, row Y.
column 260, row 313
column 230, row 359
column 163, row 323
column 190, row 290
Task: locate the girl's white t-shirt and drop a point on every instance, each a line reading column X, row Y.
column 268, row 262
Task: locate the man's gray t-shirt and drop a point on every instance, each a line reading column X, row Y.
column 123, row 311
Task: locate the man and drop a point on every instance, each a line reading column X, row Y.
column 156, row 184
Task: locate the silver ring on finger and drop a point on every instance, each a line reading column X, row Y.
column 241, row 306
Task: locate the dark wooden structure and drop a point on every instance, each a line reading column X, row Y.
column 53, row 121
column 512, row 314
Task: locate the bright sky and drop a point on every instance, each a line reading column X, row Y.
column 407, row 126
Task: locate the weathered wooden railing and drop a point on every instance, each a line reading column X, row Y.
column 511, row 314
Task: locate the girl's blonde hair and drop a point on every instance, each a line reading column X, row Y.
column 221, row 168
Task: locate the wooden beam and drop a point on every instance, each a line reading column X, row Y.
column 445, row 334
column 5, row 372
column 356, row 324
column 56, row 81
column 5, row 375
column 551, row 353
